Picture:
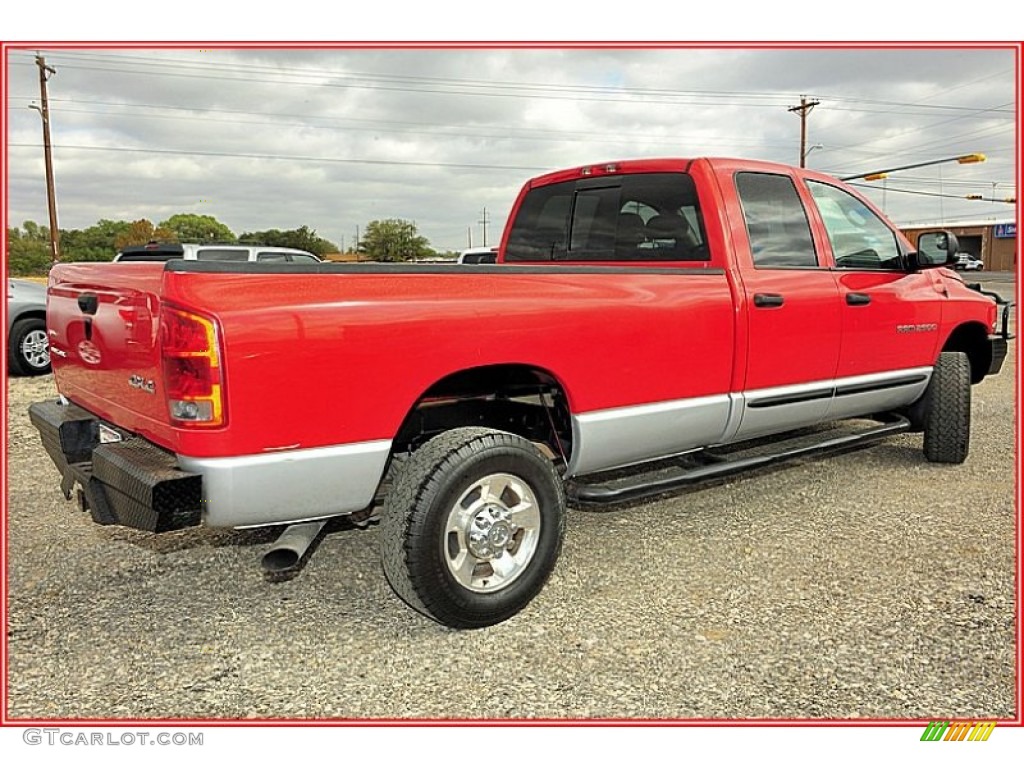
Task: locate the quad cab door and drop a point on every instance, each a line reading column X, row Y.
column 791, row 305
column 890, row 316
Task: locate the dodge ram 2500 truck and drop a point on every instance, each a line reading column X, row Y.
column 639, row 310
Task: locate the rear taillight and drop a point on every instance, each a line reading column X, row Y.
column 190, row 357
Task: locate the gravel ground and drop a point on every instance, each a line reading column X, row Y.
column 867, row 585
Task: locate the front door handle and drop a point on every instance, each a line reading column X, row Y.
column 768, row 300
column 858, row 299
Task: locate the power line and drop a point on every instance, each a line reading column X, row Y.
column 458, row 86
column 205, row 66
column 912, row 192
column 916, row 130
column 953, row 182
column 176, row 65
column 355, row 79
column 291, row 158
column 469, row 88
column 416, row 128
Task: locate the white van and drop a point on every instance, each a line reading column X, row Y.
column 218, row 252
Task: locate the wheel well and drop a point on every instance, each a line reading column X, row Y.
column 972, row 339
column 521, row 399
column 33, row 314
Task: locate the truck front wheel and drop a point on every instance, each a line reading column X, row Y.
column 472, row 527
column 947, row 410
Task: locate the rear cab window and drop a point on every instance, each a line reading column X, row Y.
column 638, row 217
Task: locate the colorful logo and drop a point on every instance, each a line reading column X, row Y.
column 964, row 730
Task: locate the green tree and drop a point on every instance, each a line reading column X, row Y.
column 303, row 238
column 393, row 240
column 28, row 249
column 95, row 243
column 141, row 232
column 197, row 228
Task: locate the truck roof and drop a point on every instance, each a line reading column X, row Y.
column 650, row 165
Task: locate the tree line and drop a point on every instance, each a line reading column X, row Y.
column 28, row 246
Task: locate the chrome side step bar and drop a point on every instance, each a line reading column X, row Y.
column 627, row 489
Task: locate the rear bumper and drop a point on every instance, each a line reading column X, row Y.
column 140, row 485
column 131, row 482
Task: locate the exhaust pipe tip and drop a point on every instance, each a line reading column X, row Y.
column 287, row 552
column 279, row 560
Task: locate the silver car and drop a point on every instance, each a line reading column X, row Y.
column 28, row 350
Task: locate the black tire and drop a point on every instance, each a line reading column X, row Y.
column 28, row 353
column 466, row 501
column 947, row 410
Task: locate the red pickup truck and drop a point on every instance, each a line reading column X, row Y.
column 639, row 310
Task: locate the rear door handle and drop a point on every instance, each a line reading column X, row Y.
column 858, row 299
column 768, row 300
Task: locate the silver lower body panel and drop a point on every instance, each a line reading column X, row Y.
column 619, row 437
column 289, row 486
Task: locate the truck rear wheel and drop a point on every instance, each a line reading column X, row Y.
column 472, row 527
column 947, row 410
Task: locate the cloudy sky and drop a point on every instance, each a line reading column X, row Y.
column 334, row 138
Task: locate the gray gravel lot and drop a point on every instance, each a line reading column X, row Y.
column 866, row 585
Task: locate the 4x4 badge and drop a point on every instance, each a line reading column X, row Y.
column 146, row 385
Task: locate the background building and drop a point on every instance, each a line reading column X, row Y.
column 995, row 243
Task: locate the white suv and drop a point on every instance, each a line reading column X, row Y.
column 968, row 262
column 228, row 252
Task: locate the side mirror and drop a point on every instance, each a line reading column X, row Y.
column 936, row 248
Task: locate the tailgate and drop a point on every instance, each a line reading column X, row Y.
column 103, row 325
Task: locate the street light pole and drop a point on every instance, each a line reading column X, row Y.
column 976, row 157
column 808, row 153
column 51, row 195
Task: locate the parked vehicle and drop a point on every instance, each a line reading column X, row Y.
column 639, row 310
column 484, row 255
column 230, row 252
column 968, row 262
column 28, row 350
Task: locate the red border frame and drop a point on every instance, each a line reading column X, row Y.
column 6, row 721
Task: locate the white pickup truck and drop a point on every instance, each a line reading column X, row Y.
column 216, row 252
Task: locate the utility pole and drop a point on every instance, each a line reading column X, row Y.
column 484, row 222
column 469, row 237
column 804, row 110
column 51, row 195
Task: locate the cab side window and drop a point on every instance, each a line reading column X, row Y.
column 777, row 226
column 272, row 256
column 859, row 238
